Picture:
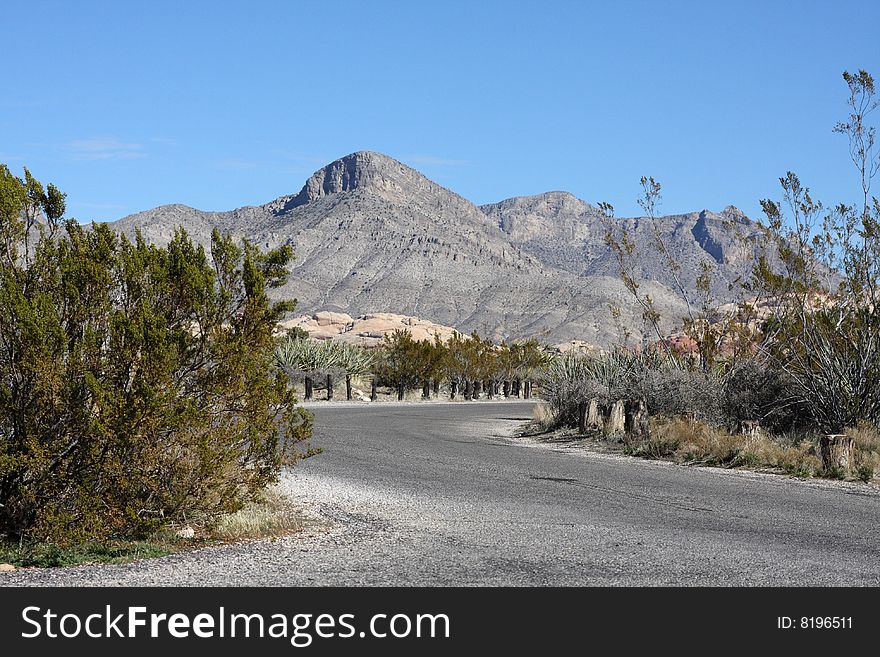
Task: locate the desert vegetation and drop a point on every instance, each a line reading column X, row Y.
column 466, row 367
column 787, row 378
column 138, row 385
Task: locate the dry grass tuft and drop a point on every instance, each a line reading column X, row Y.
column 543, row 416
column 274, row 516
column 866, row 442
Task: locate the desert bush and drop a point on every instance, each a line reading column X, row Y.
column 670, row 387
column 672, row 391
column 754, row 391
column 566, row 382
column 137, row 384
column 825, row 326
column 404, row 363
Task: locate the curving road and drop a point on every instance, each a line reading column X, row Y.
column 441, row 494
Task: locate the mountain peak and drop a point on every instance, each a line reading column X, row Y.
column 358, row 170
column 369, row 171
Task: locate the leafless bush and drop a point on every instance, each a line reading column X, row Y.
column 755, row 391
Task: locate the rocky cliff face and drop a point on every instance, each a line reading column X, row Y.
column 565, row 232
column 372, row 235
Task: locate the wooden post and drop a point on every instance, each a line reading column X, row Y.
column 615, row 423
column 373, row 394
column 836, row 450
column 636, row 419
column 308, row 385
column 593, row 420
column 329, row 387
column 348, row 387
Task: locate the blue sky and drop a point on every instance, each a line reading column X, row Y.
column 126, row 106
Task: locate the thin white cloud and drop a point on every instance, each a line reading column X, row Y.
column 433, row 160
column 103, row 149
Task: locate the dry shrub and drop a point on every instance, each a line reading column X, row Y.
column 686, row 439
column 695, row 441
column 866, row 443
column 543, row 416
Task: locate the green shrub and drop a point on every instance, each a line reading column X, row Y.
column 137, row 384
column 865, row 472
column 835, row 472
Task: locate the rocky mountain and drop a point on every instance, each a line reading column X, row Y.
column 567, row 233
column 372, row 235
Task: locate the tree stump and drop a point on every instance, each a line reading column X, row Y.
column 836, row 451
column 593, row 418
column 589, row 419
column 373, row 394
column 636, row 419
column 615, row 423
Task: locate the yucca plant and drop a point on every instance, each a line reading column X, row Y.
column 353, row 361
column 307, row 358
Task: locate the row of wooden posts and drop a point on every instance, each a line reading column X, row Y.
column 470, row 390
column 473, row 389
column 617, row 418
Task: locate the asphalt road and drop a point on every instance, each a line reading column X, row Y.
column 441, row 494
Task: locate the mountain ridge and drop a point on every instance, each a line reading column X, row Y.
column 371, row 234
